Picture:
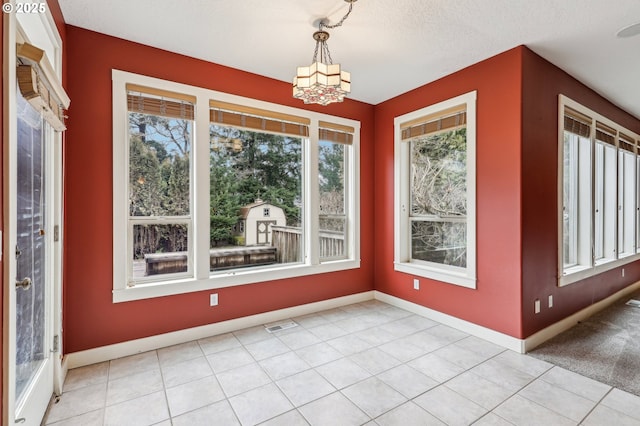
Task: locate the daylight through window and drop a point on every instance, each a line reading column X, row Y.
column 160, row 140
column 600, row 187
column 214, row 190
column 435, row 172
column 334, row 149
column 256, row 179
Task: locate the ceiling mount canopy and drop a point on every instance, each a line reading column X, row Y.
column 629, row 31
column 323, row 82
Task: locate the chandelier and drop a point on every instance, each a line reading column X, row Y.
column 323, row 82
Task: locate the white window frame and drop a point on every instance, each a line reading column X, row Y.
column 590, row 192
column 203, row 278
column 578, row 175
column 626, row 203
column 605, row 219
column 465, row 277
column 347, row 177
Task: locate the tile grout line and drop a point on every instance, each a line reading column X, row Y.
column 164, row 388
column 378, row 321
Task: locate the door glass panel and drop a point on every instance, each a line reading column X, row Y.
column 30, row 252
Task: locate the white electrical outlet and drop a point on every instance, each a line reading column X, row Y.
column 536, row 306
column 551, row 301
column 622, row 272
column 213, row 299
column 416, row 284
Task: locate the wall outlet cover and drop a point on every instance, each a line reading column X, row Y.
column 213, row 299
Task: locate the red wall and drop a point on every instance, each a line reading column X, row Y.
column 90, row 318
column 517, row 157
column 542, row 83
column 517, row 98
column 496, row 301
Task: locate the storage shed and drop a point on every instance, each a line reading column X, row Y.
column 255, row 221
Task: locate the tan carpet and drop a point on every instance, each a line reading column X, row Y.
column 605, row 347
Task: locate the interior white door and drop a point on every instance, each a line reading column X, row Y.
column 32, row 313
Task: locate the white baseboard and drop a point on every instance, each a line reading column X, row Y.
column 132, row 347
column 60, row 374
column 485, row 333
column 119, row 350
column 554, row 329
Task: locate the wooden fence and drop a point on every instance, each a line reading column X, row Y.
column 287, row 241
column 285, row 248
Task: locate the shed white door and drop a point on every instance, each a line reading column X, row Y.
column 264, row 231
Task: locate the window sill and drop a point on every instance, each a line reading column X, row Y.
column 603, row 261
column 446, row 276
column 228, row 279
column 579, row 273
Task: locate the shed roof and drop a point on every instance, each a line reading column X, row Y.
column 244, row 211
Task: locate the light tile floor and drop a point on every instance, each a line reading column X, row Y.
column 368, row 363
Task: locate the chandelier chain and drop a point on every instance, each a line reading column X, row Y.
column 315, row 52
column 323, row 48
column 323, row 25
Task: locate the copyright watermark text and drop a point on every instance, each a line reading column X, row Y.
column 24, row 7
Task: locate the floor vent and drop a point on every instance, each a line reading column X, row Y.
column 634, row 303
column 279, row 326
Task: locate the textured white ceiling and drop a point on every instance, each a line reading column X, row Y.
column 389, row 47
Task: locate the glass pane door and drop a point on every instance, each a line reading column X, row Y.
column 31, row 352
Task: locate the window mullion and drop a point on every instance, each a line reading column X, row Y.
column 312, row 196
column 351, row 171
column 200, row 189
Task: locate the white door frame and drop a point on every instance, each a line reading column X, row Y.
column 12, row 33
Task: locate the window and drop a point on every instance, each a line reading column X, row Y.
column 334, row 152
column 605, row 172
column 435, row 190
column 599, row 193
column 576, row 190
column 626, row 196
column 160, row 138
column 256, row 169
column 213, row 190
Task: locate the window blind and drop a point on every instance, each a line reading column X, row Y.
column 36, row 92
column 605, row 133
column 625, row 142
column 576, row 123
column 228, row 114
column 448, row 120
column 40, row 85
column 147, row 100
column 336, row 133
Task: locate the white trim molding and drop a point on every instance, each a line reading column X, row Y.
column 132, row 347
column 553, row 330
column 199, row 277
column 403, row 261
column 501, row 339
